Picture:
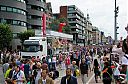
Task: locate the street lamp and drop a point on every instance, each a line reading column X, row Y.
column 115, row 18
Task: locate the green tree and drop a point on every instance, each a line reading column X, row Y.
column 25, row 35
column 55, row 25
column 5, row 36
column 67, row 29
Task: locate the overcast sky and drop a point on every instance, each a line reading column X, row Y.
column 101, row 13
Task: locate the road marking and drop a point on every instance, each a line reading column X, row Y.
column 90, row 79
column 95, row 57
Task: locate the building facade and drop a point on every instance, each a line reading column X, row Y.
column 88, row 31
column 23, row 15
column 77, row 22
column 35, row 10
column 14, row 12
column 95, row 35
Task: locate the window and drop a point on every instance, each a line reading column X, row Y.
column 29, row 26
column 15, row 22
column 70, row 14
column 42, row 0
column 21, row 1
column 9, row 9
column 19, row 11
column 3, row 8
column 4, row 21
column 42, row 9
column 28, row 6
column 15, row 35
column 24, row 13
column 9, row 21
column 29, row 17
column 34, row 7
column 14, row 10
column 19, row 23
column 70, row 9
column 24, row 24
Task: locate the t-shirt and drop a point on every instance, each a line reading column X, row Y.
column 19, row 76
column 54, row 59
column 49, row 60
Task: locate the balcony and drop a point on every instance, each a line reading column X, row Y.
column 35, row 12
column 35, row 22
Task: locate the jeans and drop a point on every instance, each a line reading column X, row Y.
column 83, row 77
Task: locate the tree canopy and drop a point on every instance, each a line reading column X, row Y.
column 6, row 36
column 25, row 35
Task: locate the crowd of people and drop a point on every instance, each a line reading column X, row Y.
column 28, row 71
column 76, row 62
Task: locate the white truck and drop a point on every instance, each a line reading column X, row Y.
column 34, row 46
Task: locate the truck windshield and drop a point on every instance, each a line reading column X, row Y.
column 30, row 48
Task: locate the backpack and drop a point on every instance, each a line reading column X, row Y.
column 34, row 73
column 14, row 77
column 10, row 74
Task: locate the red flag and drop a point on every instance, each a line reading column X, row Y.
column 44, row 24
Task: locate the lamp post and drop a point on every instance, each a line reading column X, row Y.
column 115, row 21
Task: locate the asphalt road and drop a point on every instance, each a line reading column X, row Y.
column 90, row 78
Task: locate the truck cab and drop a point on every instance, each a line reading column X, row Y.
column 34, row 46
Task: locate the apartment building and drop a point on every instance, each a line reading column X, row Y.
column 23, row 15
column 77, row 22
